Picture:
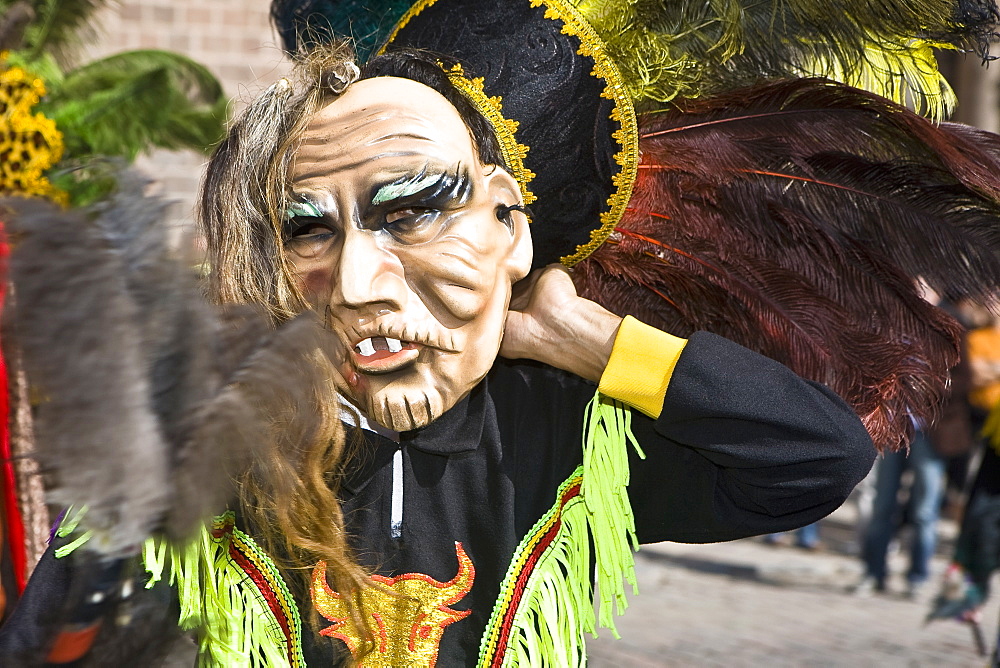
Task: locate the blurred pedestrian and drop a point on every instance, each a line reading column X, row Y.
column 925, row 497
column 977, row 550
column 927, row 458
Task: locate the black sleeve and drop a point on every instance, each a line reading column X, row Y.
column 742, row 447
column 27, row 632
column 47, row 607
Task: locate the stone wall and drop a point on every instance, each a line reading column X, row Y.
column 233, row 38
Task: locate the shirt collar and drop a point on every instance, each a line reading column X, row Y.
column 458, row 430
column 352, row 416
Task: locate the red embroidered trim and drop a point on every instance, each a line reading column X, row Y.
column 264, row 586
column 522, row 578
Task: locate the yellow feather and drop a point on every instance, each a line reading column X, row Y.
column 906, row 73
column 675, row 49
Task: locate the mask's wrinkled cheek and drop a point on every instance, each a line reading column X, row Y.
column 452, row 288
column 462, row 303
column 467, row 268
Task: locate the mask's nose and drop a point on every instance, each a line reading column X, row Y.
column 367, row 275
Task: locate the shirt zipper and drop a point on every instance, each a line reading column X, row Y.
column 396, row 514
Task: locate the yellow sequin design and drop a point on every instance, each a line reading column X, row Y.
column 29, row 143
column 408, row 620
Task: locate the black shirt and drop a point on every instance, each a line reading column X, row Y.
column 742, row 447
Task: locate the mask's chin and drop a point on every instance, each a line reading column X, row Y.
column 402, row 403
column 413, row 397
column 403, row 409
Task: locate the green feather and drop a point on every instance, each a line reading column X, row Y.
column 112, row 109
column 60, row 27
column 133, row 102
column 307, row 23
column 87, row 181
column 45, row 67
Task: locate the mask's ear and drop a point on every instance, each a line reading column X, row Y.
column 504, row 193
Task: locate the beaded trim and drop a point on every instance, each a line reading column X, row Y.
column 493, row 649
column 248, row 557
column 513, row 152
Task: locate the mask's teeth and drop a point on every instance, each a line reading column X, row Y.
column 365, row 348
column 394, row 345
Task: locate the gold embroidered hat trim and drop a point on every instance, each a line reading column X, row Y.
column 625, row 138
column 513, row 152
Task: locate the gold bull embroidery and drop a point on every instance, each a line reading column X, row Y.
column 408, row 625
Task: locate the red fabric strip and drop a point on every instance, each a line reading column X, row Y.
column 71, row 645
column 12, row 512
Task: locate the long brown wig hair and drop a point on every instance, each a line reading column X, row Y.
column 289, row 494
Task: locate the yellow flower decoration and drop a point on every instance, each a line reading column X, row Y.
column 29, row 143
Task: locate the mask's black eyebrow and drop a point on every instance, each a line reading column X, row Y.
column 430, row 184
column 299, row 210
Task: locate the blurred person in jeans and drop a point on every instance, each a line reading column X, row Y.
column 806, row 537
column 925, row 494
column 927, row 458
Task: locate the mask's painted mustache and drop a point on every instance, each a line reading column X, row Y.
column 393, row 337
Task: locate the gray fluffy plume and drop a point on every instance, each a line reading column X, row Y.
column 149, row 399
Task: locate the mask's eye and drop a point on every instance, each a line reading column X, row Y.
column 308, row 237
column 309, row 228
column 406, row 217
column 413, row 224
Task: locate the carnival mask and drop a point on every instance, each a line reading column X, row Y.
column 407, row 244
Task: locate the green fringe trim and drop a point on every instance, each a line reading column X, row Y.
column 606, row 477
column 218, row 600
column 68, row 525
column 555, row 605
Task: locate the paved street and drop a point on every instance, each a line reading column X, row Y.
column 750, row 604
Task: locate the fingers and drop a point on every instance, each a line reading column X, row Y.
column 553, row 279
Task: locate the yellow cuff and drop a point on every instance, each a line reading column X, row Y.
column 641, row 363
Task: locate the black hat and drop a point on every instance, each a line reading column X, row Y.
column 778, row 205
